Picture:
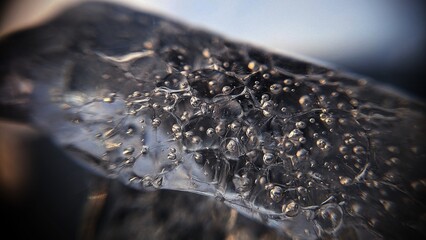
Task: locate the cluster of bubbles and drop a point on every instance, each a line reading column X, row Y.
column 277, row 143
column 293, row 144
column 271, row 141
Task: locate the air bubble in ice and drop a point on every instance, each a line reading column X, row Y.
column 329, row 217
column 290, row 209
column 268, row 158
column 156, row 122
column 242, row 183
column 276, row 193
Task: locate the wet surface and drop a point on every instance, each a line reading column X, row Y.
column 309, row 151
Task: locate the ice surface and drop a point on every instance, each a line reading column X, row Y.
column 311, row 151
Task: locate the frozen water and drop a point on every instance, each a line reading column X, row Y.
column 309, row 150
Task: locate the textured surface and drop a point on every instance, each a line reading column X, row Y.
column 304, row 149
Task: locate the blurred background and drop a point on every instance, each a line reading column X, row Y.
column 382, row 39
